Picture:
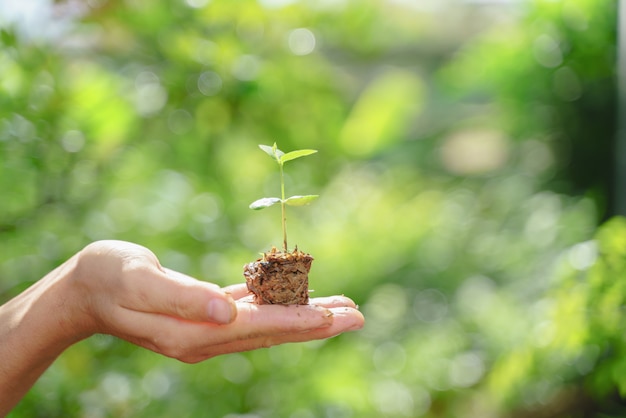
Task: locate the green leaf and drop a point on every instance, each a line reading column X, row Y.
column 264, row 203
column 301, row 200
column 296, row 154
column 272, row 151
column 268, row 150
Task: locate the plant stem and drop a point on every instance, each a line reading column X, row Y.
column 282, row 207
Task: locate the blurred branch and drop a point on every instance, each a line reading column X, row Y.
column 620, row 193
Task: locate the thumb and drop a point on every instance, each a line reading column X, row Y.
column 184, row 297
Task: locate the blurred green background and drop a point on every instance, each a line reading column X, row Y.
column 467, row 176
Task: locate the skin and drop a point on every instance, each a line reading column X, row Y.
column 119, row 288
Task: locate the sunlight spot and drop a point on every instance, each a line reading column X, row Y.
column 389, row 358
column 246, row 68
column 430, row 305
column 156, row 383
column 197, row 4
column 466, row 369
column 73, row 141
column 150, row 96
column 393, row 398
column 385, row 307
column 205, row 207
column 161, row 217
column 209, row 83
column 536, row 157
column 584, row 255
column 301, row 41
column 122, row 212
column 180, row 121
column 205, row 51
column 543, row 334
column 38, row 20
column 547, row 51
column 476, row 295
column 477, row 151
column 116, row 387
column 541, row 226
column 21, row 128
column 276, row 4
column 173, row 186
column 236, row 368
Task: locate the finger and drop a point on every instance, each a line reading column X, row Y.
column 237, row 291
column 335, row 301
column 258, row 320
column 344, row 320
column 181, row 339
column 169, row 292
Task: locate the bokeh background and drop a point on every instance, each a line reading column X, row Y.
column 467, row 170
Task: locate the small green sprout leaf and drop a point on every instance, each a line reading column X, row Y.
column 268, row 150
column 296, row 154
column 300, row 200
column 264, row 203
column 281, row 158
column 272, row 151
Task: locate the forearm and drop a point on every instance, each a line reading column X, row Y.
column 35, row 328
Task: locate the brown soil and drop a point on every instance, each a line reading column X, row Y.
column 279, row 278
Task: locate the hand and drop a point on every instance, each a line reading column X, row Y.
column 339, row 314
column 125, row 292
column 119, row 288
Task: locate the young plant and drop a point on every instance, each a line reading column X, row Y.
column 281, row 158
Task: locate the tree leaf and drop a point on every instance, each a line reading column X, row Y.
column 296, row 154
column 264, row 203
column 301, row 200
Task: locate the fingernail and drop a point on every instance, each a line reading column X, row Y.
column 221, row 311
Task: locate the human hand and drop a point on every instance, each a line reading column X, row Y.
column 122, row 290
column 340, row 314
column 119, row 288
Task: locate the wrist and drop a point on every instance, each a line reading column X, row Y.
column 74, row 297
column 37, row 326
column 60, row 306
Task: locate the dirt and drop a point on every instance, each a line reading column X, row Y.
column 279, row 278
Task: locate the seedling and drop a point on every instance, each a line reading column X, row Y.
column 281, row 158
column 281, row 277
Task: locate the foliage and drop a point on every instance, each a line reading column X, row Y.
column 575, row 350
column 281, row 158
column 465, row 172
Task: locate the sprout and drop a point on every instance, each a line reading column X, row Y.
column 281, row 158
